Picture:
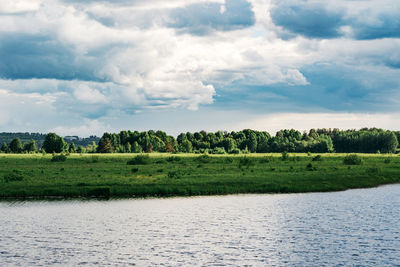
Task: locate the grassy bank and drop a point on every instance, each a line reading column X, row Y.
column 109, row 175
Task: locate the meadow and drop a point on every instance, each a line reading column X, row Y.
column 163, row 175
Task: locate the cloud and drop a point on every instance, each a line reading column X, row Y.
column 88, row 95
column 306, row 121
column 121, row 62
column 40, row 56
column 87, row 128
column 361, row 20
column 203, row 18
column 310, row 20
column 19, row 6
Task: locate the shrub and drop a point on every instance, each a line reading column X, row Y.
column 139, row 160
column 265, row 160
column 310, row 167
column 246, row 162
column 95, row 159
column 13, row 177
column 352, row 160
column 173, row 175
column 373, row 170
column 175, row 158
column 387, row 160
column 59, row 158
column 203, row 158
column 235, row 151
column 317, row 158
column 228, row 160
column 285, row 155
column 218, row 150
column 135, row 170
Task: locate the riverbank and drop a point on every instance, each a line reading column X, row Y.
column 163, row 175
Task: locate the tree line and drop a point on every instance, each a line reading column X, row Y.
column 365, row 140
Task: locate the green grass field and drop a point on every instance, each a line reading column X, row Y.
column 109, row 175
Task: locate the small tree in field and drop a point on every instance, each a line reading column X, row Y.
column 105, row 146
column 16, row 146
column 72, row 148
column 4, row 148
column 30, row 147
column 54, row 143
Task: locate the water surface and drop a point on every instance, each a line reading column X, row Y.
column 355, row 227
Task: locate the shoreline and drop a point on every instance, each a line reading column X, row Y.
column 83, row 198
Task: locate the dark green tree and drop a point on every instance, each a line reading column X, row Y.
column 54, row 143
column 72, row 148
column 105, row 145
column 30, row 147
column 16, row 146
column 4, row 148
column 136, row 148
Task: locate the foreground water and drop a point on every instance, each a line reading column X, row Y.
column 355, row 227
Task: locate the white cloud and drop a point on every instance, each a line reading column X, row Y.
column 18, row 6
column 86, row 128
column 89, row 95
column 306, row 121
column 132, row 62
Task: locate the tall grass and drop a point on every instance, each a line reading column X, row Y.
column 112, row 175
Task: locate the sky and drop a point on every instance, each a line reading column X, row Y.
column 86, row 67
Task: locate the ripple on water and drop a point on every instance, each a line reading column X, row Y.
column 343, row 228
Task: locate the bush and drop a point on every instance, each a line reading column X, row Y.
column 235, row 151
column 173, row 175
column 135, row 170
column 246, row 162
column 387, row 160
column 265, row 160
column 317, row 158
column 218, row 150
column 95, row 159
column 13, row 177
column 139, row 160
column 285, row 155
column 203, row 158
column 373, row 170
column 59, row 158
column 310, row 167
column 175, row 158
column 352, row 160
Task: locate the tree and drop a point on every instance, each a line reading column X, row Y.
column 136, row 148
column 54, row 143
column 72, row 148
column 92, row 148
column 4, row 148
column 128, row 148
column 30, row 147
column 105, row 145
column 252, row 144
column 169, row 148
column 229, row 144
column 186, row 146
column 80, row 149
column 16, row 146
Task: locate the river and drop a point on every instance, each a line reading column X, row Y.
column 354, row 227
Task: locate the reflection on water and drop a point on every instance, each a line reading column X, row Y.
column 356, row 227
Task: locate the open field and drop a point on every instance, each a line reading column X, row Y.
column 109, row 175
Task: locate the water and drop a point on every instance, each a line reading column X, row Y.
column 355, row 227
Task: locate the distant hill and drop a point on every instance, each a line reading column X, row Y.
column 39, row 138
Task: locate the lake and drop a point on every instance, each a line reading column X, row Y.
column 355, row 227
